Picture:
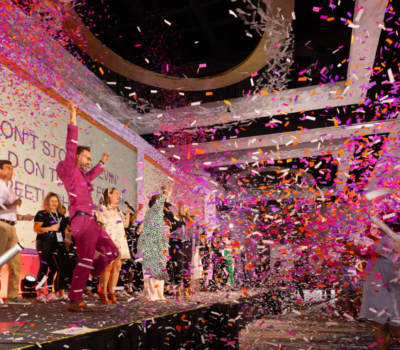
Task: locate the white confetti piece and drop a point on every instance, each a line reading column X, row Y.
column 378, row 193
column 390, row 74
column 359, row 14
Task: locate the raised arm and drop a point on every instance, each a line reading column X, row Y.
column 64, row 167
column 93, row 173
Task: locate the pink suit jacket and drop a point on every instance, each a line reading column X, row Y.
column 76, row 182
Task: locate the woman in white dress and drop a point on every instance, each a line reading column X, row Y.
column 114, row 222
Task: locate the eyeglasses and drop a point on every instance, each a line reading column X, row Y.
column 88, row 158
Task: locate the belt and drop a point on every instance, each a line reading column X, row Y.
column 12, row 223
column 80, row 213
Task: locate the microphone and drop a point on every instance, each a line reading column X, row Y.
column 130, row 207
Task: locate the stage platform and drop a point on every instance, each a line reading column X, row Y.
column 214, row 322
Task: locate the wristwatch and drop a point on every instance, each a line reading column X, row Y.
column 101, row 162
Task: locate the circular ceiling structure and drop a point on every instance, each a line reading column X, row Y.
column 229, row 60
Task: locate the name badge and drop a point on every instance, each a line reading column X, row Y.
column 59, row 237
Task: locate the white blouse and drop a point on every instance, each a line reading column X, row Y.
column 113, row 221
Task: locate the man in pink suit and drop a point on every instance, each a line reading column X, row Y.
column 88, row 234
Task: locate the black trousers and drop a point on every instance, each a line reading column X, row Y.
column 175, row 264
column 52, row 260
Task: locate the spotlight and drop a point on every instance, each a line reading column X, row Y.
column 231, row 225
column 28, row 286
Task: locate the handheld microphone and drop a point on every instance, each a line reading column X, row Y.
column 130, row 207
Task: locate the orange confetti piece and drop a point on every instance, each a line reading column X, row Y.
column 209, row 93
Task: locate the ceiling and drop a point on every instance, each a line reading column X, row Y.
column 180, row 33
column 222, row 45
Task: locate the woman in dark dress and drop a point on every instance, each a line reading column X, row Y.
column 49, row 225
column 131, row 269
column 176, row 260
column 184, row 218
column 205, row 254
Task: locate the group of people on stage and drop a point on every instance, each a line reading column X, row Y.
column 157, row 256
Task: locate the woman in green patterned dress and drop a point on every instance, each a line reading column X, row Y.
column 153, row 247
column 229, row 260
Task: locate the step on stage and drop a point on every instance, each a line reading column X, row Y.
column 212, row 323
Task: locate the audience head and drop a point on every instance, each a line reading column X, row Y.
column 82, row 159
column 6, row 170
column 110, row 197
column 63, row 210
column 52, row 203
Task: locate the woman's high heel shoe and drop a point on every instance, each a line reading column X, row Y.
column 111, row 296
column 187, row 295
column 104, row 299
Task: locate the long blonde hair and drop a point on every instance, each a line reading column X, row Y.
column 46, row 202
column 187, row 213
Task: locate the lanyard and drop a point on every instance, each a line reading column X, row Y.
column 58, row 220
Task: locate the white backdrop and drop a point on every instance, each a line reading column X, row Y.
column 32, row 136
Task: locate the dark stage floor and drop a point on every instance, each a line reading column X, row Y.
column 43, row 319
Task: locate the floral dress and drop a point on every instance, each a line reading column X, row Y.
column 153, row 242
column 113, row 221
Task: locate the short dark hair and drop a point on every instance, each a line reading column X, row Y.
column 80, row 149
column 3, row 161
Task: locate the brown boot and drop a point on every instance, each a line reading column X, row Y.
column 186, row 293
column 111, row 296
column 78, row 306
column 178, row 293
column 103, row 298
